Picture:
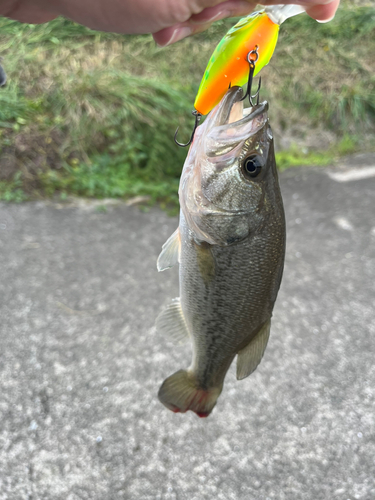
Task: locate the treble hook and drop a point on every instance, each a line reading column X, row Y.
column 198, row 116
column 252, row 62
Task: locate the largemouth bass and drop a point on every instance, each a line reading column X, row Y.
column 230, row 245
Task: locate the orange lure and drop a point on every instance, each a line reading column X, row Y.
column 229, row 66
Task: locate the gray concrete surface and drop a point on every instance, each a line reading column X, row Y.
column 80, row 362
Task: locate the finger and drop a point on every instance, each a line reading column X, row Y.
column 31, row 16
column 168, row 36
column 202, row 21
column 230, row 8
column 25, row 11
column 174, row 34
column 324, row 13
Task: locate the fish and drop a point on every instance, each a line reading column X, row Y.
column 230, row 247
column 228, row 64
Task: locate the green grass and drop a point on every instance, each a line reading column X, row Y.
column 93, row 114
column 299, row 157
column 12, row 190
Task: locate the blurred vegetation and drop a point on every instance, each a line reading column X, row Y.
column 94, row 114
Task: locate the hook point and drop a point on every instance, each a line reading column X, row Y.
column 198, row 116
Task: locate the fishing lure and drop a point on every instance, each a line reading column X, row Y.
column 252, row 40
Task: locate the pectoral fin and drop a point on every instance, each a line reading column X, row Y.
column 170, row 253
column 171, row 322
column 206, row 262
column 250, row 356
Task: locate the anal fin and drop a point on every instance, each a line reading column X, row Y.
column 170, row 253
column 250, row 356
column 171, row 322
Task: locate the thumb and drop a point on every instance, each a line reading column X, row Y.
column 325, row 12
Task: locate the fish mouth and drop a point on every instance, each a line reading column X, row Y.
column 232, row 112
column 230, row 124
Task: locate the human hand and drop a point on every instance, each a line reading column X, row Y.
column 214, row 10
column 168, row 20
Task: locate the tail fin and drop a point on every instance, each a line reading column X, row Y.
column 180, row 392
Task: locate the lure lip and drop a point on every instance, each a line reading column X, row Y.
column 280, row 13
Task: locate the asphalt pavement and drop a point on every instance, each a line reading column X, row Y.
column 81, row 363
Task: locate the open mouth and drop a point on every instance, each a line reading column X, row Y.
column 231, row 123
column 232, row 109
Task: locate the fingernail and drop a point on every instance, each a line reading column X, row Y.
column 177, row 35
column 217, row 17
column 325, row 20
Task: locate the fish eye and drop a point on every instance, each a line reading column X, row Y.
column 252, row 166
